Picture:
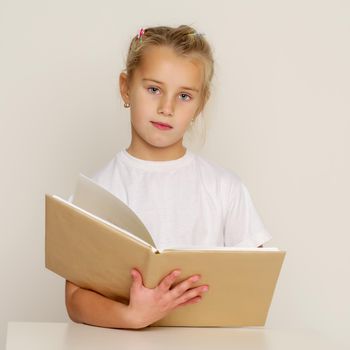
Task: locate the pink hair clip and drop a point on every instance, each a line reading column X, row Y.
column 140, row 33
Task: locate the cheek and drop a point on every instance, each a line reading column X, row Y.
column 139, row 106
column 138, row 95
column 190, row 111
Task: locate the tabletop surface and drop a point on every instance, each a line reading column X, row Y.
column 59, row 336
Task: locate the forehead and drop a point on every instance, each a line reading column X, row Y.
column 163, row 64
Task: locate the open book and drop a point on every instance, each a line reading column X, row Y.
column 96, row 241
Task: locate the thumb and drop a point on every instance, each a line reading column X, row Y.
column 137, row 279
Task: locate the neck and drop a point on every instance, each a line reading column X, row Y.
column 156, row 154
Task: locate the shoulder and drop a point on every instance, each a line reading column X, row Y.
column 215, row 173
column 104, row 175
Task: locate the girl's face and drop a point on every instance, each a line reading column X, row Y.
column 165, row 88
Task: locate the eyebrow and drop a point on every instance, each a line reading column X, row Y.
column 182, row 87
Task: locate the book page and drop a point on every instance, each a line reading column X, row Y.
column 97, row 200
column 119, row 229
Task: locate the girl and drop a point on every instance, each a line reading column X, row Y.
column 183, row 199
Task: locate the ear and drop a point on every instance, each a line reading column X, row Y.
column 123, row 86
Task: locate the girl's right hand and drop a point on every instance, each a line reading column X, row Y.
column 147, row 305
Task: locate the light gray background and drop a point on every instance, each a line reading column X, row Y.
column 278, row 117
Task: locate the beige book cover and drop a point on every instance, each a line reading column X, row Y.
column 96, row 241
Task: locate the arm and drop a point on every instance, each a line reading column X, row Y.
column 86, row 306
column 146, row 305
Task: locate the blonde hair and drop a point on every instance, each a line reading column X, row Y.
column 184, row 40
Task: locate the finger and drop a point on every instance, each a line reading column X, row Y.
column 191, row 301
column 181, row 288
column 168, row 280
column 192, row 293
column 137, row 279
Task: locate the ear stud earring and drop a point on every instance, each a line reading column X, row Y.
column 126, row 105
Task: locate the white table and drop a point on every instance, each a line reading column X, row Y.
column 69, row 336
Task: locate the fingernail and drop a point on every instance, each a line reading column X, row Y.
column 195, row 278
column 205, row 289
column 176, row 273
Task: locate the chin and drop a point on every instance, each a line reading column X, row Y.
column 162, row 144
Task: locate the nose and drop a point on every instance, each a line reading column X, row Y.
column 166, row 106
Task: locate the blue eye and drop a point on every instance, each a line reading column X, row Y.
column 189, row 97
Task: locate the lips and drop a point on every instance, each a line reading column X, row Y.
column 162, row 124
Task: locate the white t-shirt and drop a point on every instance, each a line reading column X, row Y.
column 188, row 201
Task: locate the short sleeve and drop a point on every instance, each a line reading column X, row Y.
column 243, row 226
